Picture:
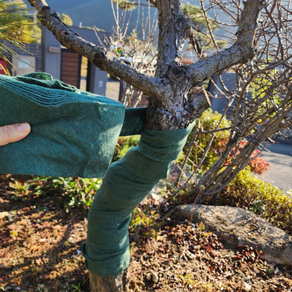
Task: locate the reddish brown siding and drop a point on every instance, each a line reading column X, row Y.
column 70, row 68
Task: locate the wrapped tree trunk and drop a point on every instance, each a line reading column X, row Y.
column 124, row 186
column 173, row 106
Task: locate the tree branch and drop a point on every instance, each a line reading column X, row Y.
column 105, row 61
column 174, row 28
column 208, row 25
column 173, row 104
column 242, row 51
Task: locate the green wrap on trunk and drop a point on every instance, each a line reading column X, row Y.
column 124, row 186
column 73, row 132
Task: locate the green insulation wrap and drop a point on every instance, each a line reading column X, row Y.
column 73, row 132
column 124, row 186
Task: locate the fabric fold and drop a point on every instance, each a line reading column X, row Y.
column 73, row 132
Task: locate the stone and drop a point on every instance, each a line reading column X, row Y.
column 238, row 226
column 155, row 198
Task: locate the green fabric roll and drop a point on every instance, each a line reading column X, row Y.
column 124, row 186
column 134, row 122
column 73, row 132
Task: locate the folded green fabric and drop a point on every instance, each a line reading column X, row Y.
column 74, row 132
column 134, row 122
column 124, row 186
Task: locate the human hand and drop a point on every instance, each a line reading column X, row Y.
column 13, row 133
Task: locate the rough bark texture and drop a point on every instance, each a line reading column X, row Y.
column 117, row 283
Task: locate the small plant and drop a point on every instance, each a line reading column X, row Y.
column 202, row 226
column 77, row 192
column 265, row 268
column 145, row 222
column 257, row 206
column 76, row 288
column 202, row 229
column 23, row 187
column 19, row 187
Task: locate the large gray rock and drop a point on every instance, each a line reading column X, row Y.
column 239, row 226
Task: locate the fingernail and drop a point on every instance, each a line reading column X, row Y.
column 23, row 128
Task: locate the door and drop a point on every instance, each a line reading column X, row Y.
column 70, row 67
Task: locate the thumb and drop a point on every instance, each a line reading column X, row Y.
column 13, row 133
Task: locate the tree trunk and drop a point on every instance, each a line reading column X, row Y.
column 172, row 105
column 117, row 283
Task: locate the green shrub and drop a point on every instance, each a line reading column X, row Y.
column 75, row 192
column 123, row 145
column 250, row 192
column 208, row 121
column 145, row 223
column 72, row 192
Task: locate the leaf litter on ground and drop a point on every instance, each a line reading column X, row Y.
column 40, row 242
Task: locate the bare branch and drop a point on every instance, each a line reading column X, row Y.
column 153, row 2
column 97, row 55
column 208, row 25
column 172, row 103
column 241, row 51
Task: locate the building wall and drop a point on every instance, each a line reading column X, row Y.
column 30, row 50
column 51, row 54
column 53, row 58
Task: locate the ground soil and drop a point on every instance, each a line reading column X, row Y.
column 39, row 251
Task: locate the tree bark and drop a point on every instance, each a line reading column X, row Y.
column 117, row 283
